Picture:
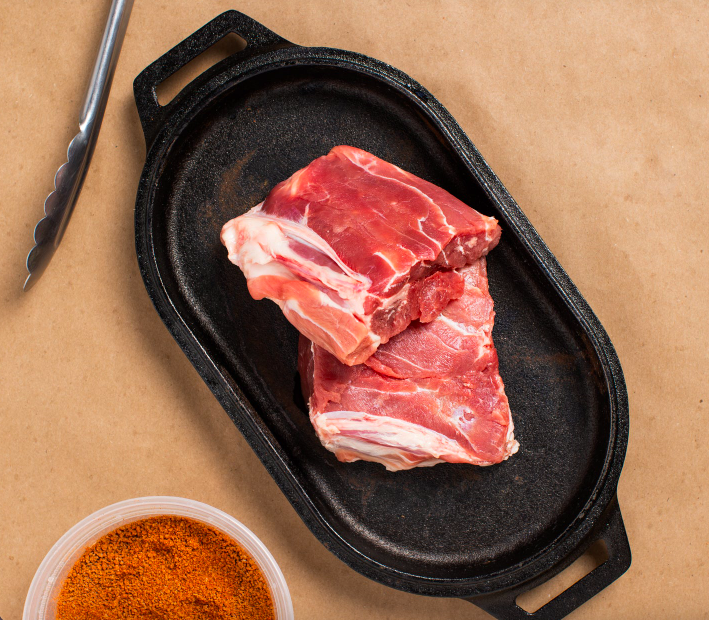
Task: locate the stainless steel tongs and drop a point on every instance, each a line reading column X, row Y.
column 69, row 178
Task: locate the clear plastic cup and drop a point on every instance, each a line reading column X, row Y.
column 44, row 590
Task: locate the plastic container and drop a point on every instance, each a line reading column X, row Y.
column 47, row 582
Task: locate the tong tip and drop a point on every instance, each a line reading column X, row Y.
column 29, row 283
column 37, row 261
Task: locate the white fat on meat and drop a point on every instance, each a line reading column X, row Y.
column 431, row 394
column 367, row 241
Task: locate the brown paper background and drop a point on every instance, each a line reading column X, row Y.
column 594, row 114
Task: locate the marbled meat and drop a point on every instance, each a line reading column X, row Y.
column 432, row 393
column 353, row 248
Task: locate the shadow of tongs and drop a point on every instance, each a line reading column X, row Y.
column 69, row 178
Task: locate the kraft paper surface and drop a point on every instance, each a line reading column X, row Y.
column 595, row 116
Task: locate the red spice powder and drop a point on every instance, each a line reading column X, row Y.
column 165, row 568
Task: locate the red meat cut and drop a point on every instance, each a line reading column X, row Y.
column 431, row 394
column 353, row 248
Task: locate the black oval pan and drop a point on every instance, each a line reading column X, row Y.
column 485, row 534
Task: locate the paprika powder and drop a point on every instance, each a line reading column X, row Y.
column 165, row 568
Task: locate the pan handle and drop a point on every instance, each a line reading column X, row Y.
column 258, row 39
column 503, row 606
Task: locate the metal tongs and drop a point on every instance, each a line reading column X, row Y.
column 69, row 178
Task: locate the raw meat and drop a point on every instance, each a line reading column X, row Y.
column 353, row 249
column 457, row 342
column 431, row 394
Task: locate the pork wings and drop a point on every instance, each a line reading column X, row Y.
column 432, row 393
column 353, row 248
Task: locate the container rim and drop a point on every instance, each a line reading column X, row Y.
column 69, row 547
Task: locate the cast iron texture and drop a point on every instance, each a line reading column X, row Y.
column 485, row 534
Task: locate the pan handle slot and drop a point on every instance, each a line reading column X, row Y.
column 258, row 39
column 503, row 605
column 168, row 89
column 534, row 599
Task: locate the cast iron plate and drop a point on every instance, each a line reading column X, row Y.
column 454, row 530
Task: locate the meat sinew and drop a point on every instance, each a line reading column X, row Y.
column 353, row 249
column 431, row 394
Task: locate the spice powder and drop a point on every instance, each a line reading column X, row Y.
column 165, row 568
